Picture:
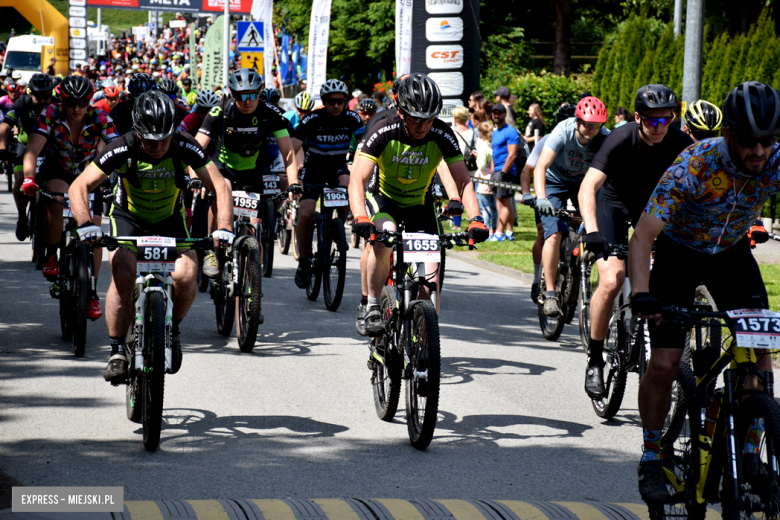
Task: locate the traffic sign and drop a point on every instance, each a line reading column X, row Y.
column 250, row 37
column 252, row 60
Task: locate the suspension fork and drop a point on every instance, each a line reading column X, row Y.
column 730, row 378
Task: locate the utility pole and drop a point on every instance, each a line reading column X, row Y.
column 694, row 34
column 677, row 17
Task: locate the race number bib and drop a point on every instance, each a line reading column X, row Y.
column 421, row 247
column 156, row 255
column 336, row 197
column 756, row 328
column 66, row 206
column 245, row 204
column 271, row 184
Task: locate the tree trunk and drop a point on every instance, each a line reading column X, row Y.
column 562, row 62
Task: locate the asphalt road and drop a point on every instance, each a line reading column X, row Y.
column 295, row 418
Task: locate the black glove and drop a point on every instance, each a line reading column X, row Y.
column 596, row 244
column 363, row 227
column 758, row 233
column 454, row 208
column 645, row 304
column 295, row 189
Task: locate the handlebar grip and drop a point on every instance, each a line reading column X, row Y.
column 372, row 239
column 471, row 242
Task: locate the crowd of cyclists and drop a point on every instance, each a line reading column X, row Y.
column 691, row 194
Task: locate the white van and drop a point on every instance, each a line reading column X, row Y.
column 23, row 54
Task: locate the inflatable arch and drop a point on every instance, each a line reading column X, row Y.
column 50, row 22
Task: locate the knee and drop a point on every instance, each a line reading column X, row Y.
column 610, row 283
column 663, row 369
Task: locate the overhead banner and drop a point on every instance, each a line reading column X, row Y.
column 318, row 46
column 189, row 6
column 77, row 21
column 212, row 56
column 445, row 45
column 403, row 36
column 263, row 11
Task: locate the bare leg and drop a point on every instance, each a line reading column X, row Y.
column 655, row 389
column 185, row 285
column 612, row 273
column 379, row 261
column 54, row 211
column 364, row 270
column 119, row 299
column 550, row 257
column 303, row 231
column 20, row 199
column 536, row 251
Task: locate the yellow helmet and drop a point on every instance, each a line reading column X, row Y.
column 303, row 101
column 191, row 97
column 703, row 116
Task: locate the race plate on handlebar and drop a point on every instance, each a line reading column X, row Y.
column 421, row 247
column 271, row 184
column 335, row 197
column 756, row 328
column 66, row 206
column 245, row 204
column 156, row 255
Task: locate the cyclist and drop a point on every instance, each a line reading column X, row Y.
column 110, row 100
column 23, row 115
column 406, row 150
column 122, row 114
column 270, row 95
column 702, row 120
column 205, row 101
column 240, row 125
column 171, row 88
column 303, row 107
column 699, row 216
column 565, row 158
column 614, row 192
column 152, row 161
column 70, row 134
column 367, row 110
column 329, row 134
column 13, row 91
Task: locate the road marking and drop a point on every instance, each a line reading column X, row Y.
column 144, row 510
column 208, row 510
column 337, row 509
column 400, row 509
column 523, row 510
column 583, row 511
column 275, row 509
column 462, row 510
column 639, row 510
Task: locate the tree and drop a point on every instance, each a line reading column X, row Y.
column 563, row 20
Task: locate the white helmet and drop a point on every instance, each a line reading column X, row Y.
column 334, row 86
column 207, row 99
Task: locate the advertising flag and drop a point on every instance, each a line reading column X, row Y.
column 403, row 37
column 263, row 11
column 212, row 55
column 318, row 46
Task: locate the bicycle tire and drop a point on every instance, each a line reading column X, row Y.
column 267, row 237
column 422, row 398
column 225, row 308
column 67, row 317
column 133, row 393
column 335, row 268
column 315, row 273
column 294, row 241
column 615, row 344
column 153, row 379
column 583, row 301
column 250, row 282
column 442, row 266
column 285, row 233
column 713, row 338
column 551, row 326
column 39, row 240
column 80, row 286
column 386, row 378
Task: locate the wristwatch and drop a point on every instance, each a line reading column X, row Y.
column 477, row 219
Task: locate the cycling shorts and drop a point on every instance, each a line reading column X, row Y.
column 732, row 277
column 315, row 176
column 49, row 172
column 612, row 219
column 503, row 193
column 242, row 180
column 558, row 193
column 125, row 224
column 415, row 218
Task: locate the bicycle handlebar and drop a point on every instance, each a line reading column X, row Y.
column 565, row 213
column 689, row 317
column 448, row 240
column 202, row 244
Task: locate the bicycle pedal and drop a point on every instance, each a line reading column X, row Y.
column 55, row 291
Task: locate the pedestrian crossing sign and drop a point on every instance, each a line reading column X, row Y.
column 252, row 60
column 249, row 37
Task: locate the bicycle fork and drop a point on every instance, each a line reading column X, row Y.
column 139, row 361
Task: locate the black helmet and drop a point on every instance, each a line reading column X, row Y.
column 75, row 88
column 154, row 116
column 419, row 96
column 654, row 97
column 367, row 105
column 168, row 86
column 56, row 80
column 390, row 104
column 754, row 108
column 565, row 112
column 270, row 95
column 244, row 79
column 41, row 83
column 141, row 83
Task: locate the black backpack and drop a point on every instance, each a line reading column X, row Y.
column 468, row 156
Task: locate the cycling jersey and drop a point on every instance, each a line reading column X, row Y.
column 191, row 123
column 241, row 136
column 699, row 203
column 378, row 118
column 292, row 117
column 24, row 114
column 406, row 166
column 329, row 140
column 122, row 116
column 5, row 105
column 572, row 159
column 150, row 192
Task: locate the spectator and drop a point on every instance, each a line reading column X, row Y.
column 474, row 99
column 353, row 103
column 506, row 147
column 535, row 124
column 622, row 116
column 467, row 138
column 50, row 68
column 479, row 116
column 487, row 202
column 502, row 96
column 379, row 97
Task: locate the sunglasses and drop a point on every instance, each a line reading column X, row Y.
column 250, row 96
column 41, row 95
column 589, row 126
column 417, row 120
column 750, row 141
column 655, row 121
column 73, row 103
column 335, row 101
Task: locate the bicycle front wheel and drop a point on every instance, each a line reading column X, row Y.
column 224, row 307
column 422, row 388
column 335, row 268
column 284, row 232
column 38, row 240
column 315, row 273
column 67, row 317
column 551, row 326
column 386, row 374
column 250, row 288
column 267, row 237
column 615, row 374
column 153, row 376
column 583, row 304
column 80, row 286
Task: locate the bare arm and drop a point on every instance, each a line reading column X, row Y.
column 510, row 158
column 296, row 143
column 5, row 128
column 457, row 181
column 35, row 144
column 361, row 173
column 639, row 251
column 215, row 182
column 525, row 178
column 546, row 158
column 593, row 180
column 79, row 192
column 447, row 181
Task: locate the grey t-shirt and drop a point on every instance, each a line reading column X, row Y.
column 572, row 160
column 537, row 151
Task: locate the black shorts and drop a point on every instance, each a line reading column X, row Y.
column 49, row 172
column 318, row 176
column 125, row 224
column 612, row 219
column 502, row 193
column 242, row 180
column 732, row 277
column 415, row 218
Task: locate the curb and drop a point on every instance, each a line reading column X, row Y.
column 489, row 266
column 358, row 509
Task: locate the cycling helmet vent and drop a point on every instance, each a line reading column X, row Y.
column 334, row 86
column 654, row 97
column 419, row 96
column 591, row 110
column 244, row 79
column 154, row 116
column 753, row 108
column 703, row 116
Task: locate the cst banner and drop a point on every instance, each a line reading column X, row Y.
column 190, row 6
column 445, row 45
column 77, row 22
column 319, row 31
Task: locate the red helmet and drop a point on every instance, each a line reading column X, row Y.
column 591, row 110
column 111, row 91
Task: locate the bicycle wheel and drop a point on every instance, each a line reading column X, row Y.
column 250, row 288
column 551, row 326
column 422, row 388
column 615, row 375
column 294, row 242
column 335, row 268
column 267, row 236
column 153, row 378
column 442, row 265
column 80, row 286
column 224, row 307
column 133, row 393
column 67, row 317
column 761, row 483
column 711, row 335
column 386, row 377
column 315, row 273
column 38, row 241
column 583, row 302
column 284, row 231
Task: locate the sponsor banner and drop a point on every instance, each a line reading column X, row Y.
column 444, row 6
column 43, row 40
column 177, row 24
column 318, row 46
column 450, row 83
column 444, row 57
column 444, row 29
column 212, row 56
column 263, row 11
column 190, row 6
column 403, row 36
column 77, row 20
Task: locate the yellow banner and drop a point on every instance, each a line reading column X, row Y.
column 252, row 60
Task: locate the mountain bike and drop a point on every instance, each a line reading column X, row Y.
column 328, row 252
column 74, row 286
column 589, row 282
column 285, row 226
column 271, row 190
column 200, row 229
column 409, row 346
column 703, row 446
column 149, row 335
